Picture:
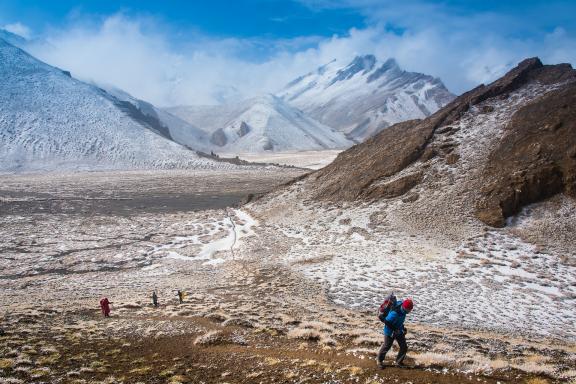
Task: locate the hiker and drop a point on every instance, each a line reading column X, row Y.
column 105, row 306
column 155, row 299
column 394, row 329
column 180, row 296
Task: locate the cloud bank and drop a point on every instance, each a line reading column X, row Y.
column 140, row 57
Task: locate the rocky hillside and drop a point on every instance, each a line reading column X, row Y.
column 501, row 146
column 366, row 95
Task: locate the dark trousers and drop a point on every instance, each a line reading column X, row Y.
column 387, row 344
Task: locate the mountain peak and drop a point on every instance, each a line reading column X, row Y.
column 388, row 66
column 360, row 64
column 366, row 95
column 365, row 61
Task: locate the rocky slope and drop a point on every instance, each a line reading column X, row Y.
column 365, row 96
column 529, row 157
column 49, row 120
column 261, row 124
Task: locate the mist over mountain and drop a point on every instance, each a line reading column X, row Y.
column 49, row 120
column 265, row 123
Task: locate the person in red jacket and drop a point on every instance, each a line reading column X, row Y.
column 105, row 306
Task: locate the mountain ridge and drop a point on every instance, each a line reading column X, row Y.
column 365, row 96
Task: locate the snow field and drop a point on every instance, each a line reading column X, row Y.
column 496, row 281
column 206, row 239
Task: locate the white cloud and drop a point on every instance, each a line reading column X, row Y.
column 462, row 45
column 140, row 58
column 18, row 29
column 128, row 54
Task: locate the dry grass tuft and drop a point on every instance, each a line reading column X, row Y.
column 271, row 361
column 537, row 380
column 328, row 341
column 570, row 374
column 178, row 379
column 48, row 350
column 141, row 370
column 534, row 367
column 10, row 380
column 356, row 332
column 432, row 358
column 216, row 317
column 305, row 334
column 368, row 341
column 234, row 321
column 6, row 363
column 166, row 373
column 210, row 338
column 288, row 320
column 317, row 325
column 499, row 364
column 48, row 360
column 39, row 372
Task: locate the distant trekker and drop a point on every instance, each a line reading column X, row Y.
column 105, row 306
column 180, row 296
column 154, row 299
column 393, row 319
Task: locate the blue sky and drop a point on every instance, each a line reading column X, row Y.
column 190, row 51
column 219, row 18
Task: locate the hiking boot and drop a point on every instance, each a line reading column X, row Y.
column 381, row 365
column 400, row 364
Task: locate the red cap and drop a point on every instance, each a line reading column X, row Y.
column 407, row 305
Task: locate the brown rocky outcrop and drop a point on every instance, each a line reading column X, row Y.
column 535, row 158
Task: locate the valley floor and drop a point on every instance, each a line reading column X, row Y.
column 301, row 159
column 264, row 302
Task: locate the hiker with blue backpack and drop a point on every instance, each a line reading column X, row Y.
column 393, row 313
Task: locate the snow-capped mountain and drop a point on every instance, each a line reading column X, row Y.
column 365, row 96
column 264, row 123
column 49, row 120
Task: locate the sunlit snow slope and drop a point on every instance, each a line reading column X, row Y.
column 365, row 96
column 49, row 120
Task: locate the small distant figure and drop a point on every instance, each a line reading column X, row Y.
column 105, row 306
column 392, row 314
column 154, row 299
column 181, row 296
